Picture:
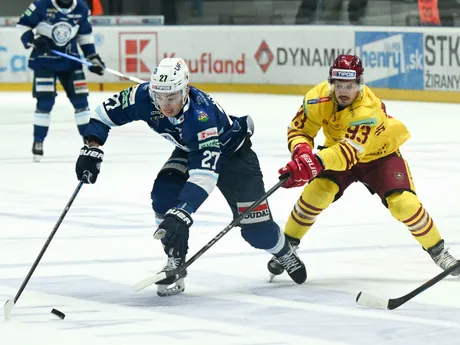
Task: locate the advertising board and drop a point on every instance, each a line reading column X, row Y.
column 267, row 58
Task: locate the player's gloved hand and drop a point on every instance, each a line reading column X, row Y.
column 173, row 232
column 41, row 45
column 300, row 149
column 302, row 169
column 89, row 161
column 98, row 65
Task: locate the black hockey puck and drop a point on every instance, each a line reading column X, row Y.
column 58, row 313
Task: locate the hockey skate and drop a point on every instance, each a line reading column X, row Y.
column 289, row 262
column 442, row 257
column 274, row 266
column 172, row 286
column 37, row 150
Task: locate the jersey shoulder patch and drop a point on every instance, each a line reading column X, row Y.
column 202, row 116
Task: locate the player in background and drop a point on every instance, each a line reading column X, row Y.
column 59, row 25
column 361, row 144
column 212, row 149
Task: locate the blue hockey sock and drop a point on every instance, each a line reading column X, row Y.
column 40, row 133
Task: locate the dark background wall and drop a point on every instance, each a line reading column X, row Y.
column 192, row 12
column 16, row 7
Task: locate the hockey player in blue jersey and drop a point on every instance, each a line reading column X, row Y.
column 59, row 25
column 212, row 149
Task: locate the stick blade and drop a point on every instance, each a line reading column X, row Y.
column 146, row 282
column 8, row 308
column 371, row 301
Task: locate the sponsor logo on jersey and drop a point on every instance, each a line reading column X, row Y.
column 29, row 11
column 207, row 133
column 391, row 59
column 202, row 116
column 260, row 214
column 313, row 101
column 324, row 99
column 61, row 33
column 125, row 98
column 210, row 143
column 365, row 122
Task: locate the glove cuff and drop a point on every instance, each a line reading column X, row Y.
column 318, row 158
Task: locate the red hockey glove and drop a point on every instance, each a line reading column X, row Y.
column 301, row 149
column 303, row 168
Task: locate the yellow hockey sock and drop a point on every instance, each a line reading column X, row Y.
column 316, row 196
column 407, row 208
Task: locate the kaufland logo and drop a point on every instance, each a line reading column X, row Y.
column 138, row 52
column 264, row 56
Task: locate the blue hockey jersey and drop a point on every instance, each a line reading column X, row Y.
column 64, row 28
column 202, row 129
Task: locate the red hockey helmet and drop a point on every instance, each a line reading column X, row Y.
column 346, row 67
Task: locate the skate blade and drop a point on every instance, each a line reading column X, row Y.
column 271, row 277
column 37, row 158
column 170, row 290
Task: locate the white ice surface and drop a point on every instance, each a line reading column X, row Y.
column 105, row 243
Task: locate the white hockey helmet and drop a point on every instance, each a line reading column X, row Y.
column 170, row 76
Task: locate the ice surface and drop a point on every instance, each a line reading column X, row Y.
column 105, row 243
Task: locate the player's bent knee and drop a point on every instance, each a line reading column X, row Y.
column 166, row 190
column 320, row 193
column 266, row 235
column 403, row 205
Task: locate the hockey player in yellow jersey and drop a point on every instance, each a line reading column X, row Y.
column 361, row 145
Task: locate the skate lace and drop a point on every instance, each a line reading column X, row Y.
column 172, row 263
column 38, row 146
column 445, row 259
column 289, row 262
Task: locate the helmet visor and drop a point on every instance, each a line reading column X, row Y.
column 164, row 99
column 345, row 85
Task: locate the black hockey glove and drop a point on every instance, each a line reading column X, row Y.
column 89, row 161
column 173, row 232
column 41, row 45
column 98, row 65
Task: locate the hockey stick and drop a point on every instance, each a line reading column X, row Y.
column 370, row 301
column 159, row 277
column 9, row 305
column 87, row 63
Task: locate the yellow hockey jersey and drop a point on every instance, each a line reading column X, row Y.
column 362, row 132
